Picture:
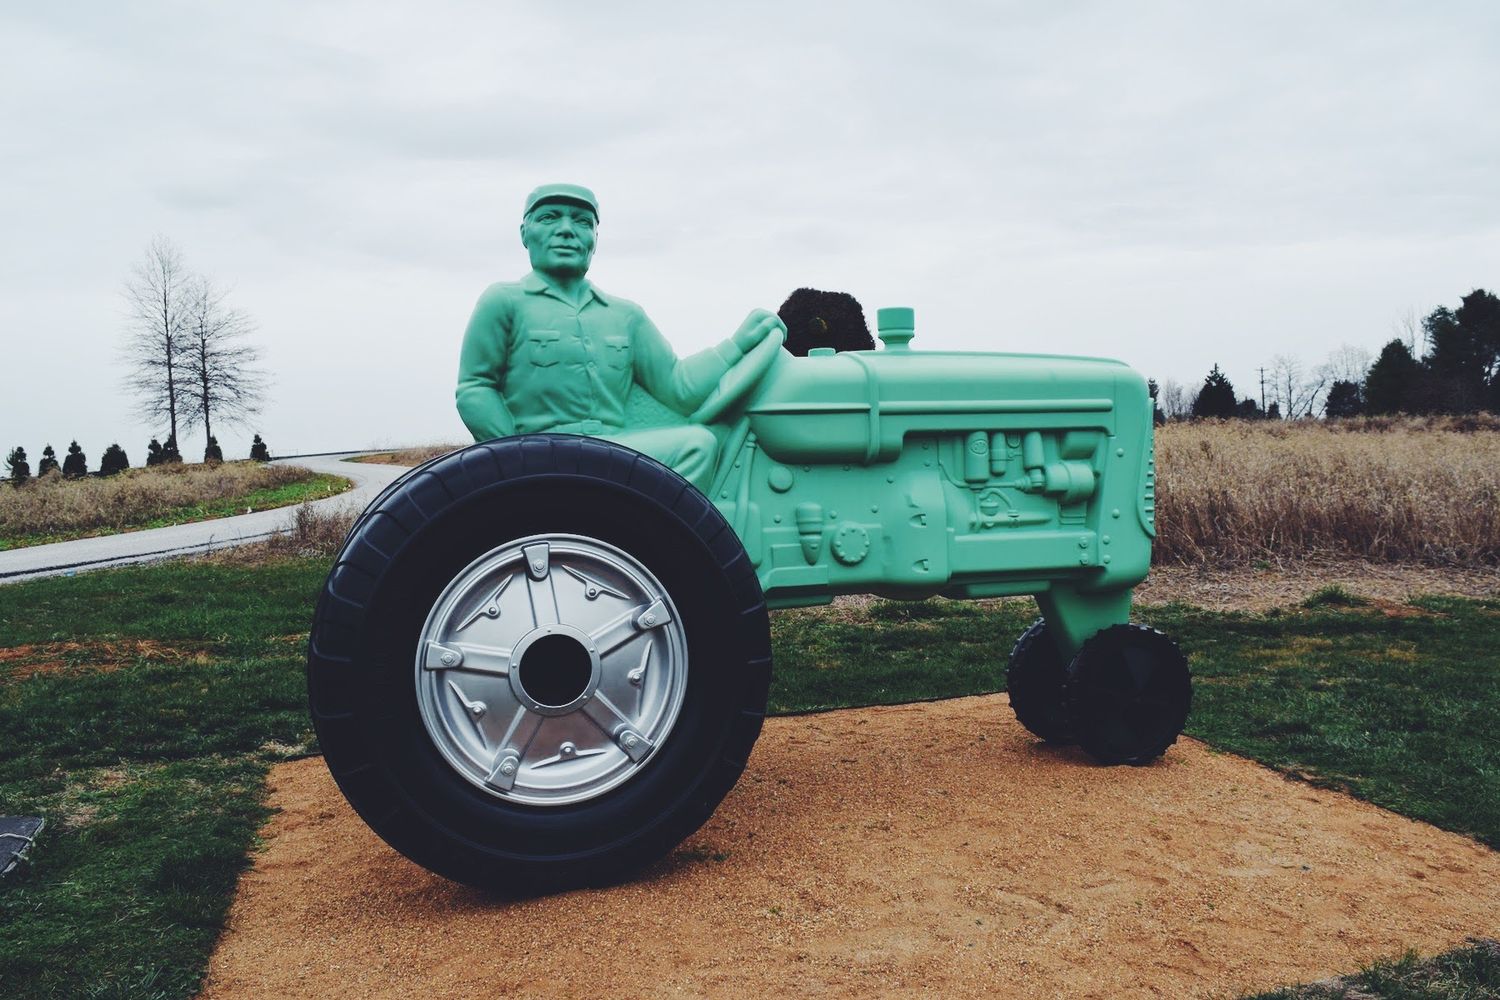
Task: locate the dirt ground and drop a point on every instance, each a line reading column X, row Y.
column 931, row 849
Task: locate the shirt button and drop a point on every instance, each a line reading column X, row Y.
column 591, row 364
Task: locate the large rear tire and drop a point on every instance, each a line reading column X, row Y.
column 539, row 662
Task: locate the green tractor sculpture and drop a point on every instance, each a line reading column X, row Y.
column 542, row 660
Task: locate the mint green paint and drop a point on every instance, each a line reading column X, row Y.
column 562, row 193
column 552, row 352
column 897, row 472
column 972, row 475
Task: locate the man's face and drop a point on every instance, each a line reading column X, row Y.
column 560, row 237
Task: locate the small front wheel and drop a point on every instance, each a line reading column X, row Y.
column 1129, row 689
column 1034, row 681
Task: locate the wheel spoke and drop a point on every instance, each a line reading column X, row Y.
column 518, row 737
column 618, row 631
column 522, row 730
column 655, row 616
column 616, row 725
column 539, row 584
column 469, row 656
column 503, row 773
column 604, row 713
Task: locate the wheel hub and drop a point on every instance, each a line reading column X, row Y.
column 550, row 669
column 557, row 669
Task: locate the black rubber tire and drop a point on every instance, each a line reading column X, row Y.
column 1034, row 679
column 406, row 549
column 1130, row 690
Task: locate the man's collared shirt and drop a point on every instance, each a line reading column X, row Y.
column 533, row 361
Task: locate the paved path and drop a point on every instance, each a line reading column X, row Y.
column 201, row 536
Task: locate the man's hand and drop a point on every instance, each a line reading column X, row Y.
column 757, row 327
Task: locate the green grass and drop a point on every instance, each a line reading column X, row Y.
column 317, row 487
column 1402, row 709
column 891, row 653
column 143, row 707
column 1468, row 973
column 151, row 775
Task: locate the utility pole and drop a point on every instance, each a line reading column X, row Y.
column 1262, row 389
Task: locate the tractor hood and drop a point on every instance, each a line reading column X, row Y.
column 859, row 405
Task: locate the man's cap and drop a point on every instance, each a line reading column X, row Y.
column 576, row 193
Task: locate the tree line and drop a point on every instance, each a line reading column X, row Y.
column 75, row 464
column 188, row 362
column 1456, row 371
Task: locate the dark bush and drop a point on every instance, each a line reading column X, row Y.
column 114, row 461
column 1344, row 400
column 16, row 466
column 1216, row 398
column 75, row 466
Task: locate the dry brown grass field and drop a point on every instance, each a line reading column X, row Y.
column 53, row 506
column 307, row 532
column 415, row 455
column 1384, row 489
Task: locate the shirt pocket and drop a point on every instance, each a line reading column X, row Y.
column 543, row 347
column 617, row 350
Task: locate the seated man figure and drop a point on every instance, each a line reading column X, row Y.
column 553, row 353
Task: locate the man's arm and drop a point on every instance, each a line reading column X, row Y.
column 683, row 384
column 481, row 367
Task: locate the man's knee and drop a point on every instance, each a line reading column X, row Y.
column 698, row 440
column 694, row 456
column 690, row 450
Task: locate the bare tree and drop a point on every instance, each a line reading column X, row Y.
column 155, row 295
column 1173, row 400
column 220, row 371
column 1296, row 392
column 1408, row 330
column 1347, row 363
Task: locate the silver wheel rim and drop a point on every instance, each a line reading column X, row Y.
column 551, row 669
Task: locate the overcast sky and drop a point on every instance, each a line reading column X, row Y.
column 1176, row 185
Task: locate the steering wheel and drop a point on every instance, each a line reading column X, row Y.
column 740, row 379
